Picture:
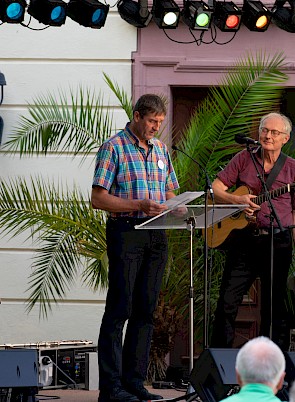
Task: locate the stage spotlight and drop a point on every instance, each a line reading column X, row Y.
column 135, row 13
column 89, row 13
column 48, row 12
column 256, row 17
column 197, row 15
column 166, row 13
column 12, row 11
column 284, row 17
column 227, row 16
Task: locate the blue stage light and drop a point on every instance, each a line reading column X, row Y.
column 48, row 12
column 58, row 14
column 12, row 11
column 89, row 13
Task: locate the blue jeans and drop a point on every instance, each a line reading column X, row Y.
column 137, row 260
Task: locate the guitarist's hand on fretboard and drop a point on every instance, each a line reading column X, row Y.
column 242, row 195
column 217, row 233
column 250, row 200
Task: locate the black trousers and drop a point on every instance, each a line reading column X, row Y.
column 137, row 260
column 248, row 258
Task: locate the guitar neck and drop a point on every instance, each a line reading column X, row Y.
column 273, row 194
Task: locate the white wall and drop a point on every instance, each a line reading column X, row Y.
column 36, row 62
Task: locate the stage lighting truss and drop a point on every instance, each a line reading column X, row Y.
column 89, row 13
column 256, row 17
column 197, row 15
column 166, row 14
column 227, row 16
column 48, row 12
column 135, row 13
column 12, row 11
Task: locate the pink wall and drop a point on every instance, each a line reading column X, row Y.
column 159, row 63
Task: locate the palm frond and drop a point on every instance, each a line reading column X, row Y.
column 95, row 275
column 250, row 89
column 54, row 270
column 65, row 229
column 57, row 125
column 124, row 99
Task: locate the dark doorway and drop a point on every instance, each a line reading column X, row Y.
column 185, row 102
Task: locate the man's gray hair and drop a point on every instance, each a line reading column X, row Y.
column 260, row 360
column 285, row 119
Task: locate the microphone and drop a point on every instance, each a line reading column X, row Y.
column 208, row 181
column 242, row 139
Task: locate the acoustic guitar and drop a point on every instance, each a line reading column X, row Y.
column 219, row 232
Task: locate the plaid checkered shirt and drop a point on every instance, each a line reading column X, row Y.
column 127, row 171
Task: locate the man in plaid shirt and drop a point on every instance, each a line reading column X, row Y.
column 133, row 178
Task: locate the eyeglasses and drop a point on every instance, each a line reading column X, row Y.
column 274, row 133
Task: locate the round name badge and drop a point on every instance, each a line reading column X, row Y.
column 161, row 164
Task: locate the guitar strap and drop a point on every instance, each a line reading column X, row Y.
column 275, row 170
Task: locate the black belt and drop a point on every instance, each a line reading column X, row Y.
column 267, row 231
column 129, row 219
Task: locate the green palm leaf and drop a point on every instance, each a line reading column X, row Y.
column 250, row 89
column 125, row 101
column 66, row 231
column 57, row 125
column 54, row 270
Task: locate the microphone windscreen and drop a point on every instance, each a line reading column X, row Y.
column 239, row 138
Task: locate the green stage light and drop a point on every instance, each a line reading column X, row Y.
column 197, row 15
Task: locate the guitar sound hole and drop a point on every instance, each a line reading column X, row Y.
column 236, row 215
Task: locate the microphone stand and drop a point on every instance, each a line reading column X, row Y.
column 273, row 216
column 207, row 190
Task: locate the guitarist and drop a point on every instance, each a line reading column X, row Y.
column 249, row 252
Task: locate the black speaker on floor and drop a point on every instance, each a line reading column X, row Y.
column 213, row 376
column 290, row 368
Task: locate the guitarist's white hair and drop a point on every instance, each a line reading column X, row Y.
column 285, row 119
